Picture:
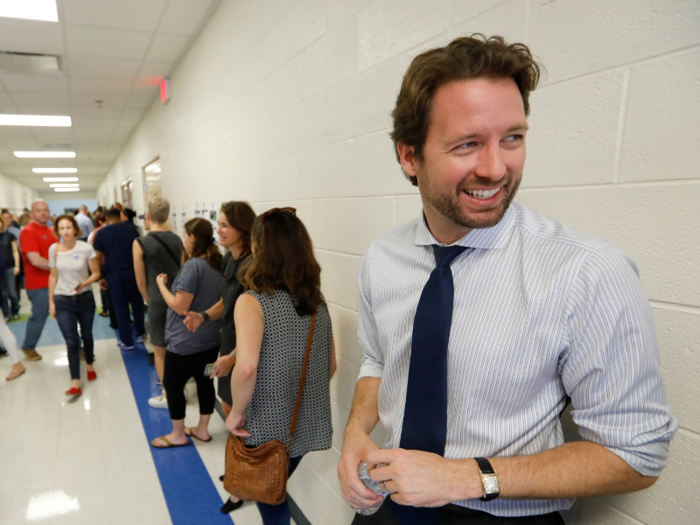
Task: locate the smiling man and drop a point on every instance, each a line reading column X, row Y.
column 480, row 318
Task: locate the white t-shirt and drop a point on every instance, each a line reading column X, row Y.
column 72, row 267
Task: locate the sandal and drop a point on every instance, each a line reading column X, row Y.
column 193, row 435
column 168, row 444
column 14, row 374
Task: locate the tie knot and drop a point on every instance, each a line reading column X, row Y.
column 444, row 255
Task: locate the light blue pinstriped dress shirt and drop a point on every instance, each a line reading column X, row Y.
column 540, row 310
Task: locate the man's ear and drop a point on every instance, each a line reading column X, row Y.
column 408, row 161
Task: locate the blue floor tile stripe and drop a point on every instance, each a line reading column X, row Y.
column 189, row 491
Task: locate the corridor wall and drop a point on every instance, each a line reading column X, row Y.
column 14, row 195
column 288, row 103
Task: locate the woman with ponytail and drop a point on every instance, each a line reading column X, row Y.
column 187, row 354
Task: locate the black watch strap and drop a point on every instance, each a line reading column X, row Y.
column 205, row 316
column 488, row 476
column 485, row 466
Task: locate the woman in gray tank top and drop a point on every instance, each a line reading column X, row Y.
column 272, row 325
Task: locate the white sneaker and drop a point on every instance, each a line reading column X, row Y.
column 158, row 401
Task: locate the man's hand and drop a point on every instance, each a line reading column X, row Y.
column 192, row 320
column 103, row 284
column 357, row 446
column 15, row 271
column 52, row 309
column 424, row 479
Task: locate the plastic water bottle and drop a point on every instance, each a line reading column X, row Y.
column 363, row 473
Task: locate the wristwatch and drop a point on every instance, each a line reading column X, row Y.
column 489, row 480
column 205, row 316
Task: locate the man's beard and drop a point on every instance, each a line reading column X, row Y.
column 449, row 207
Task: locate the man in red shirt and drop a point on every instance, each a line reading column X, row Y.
column 35, row 240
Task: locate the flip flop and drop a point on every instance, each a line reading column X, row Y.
column 14, row 374
column 192, row 435
column 168, row 445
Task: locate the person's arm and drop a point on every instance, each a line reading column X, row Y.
column 610, row 370
column 248, row 318
column 15, row 256
column 38, row 261
column 95, row 274
column 53, row 279
column 194, row 320
column 140, row 270
column 178, row 302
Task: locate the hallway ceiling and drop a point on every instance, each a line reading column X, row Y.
column 113, row 51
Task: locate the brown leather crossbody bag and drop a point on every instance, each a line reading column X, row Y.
column 260, row 473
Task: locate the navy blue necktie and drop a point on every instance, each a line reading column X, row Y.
column 425, row 413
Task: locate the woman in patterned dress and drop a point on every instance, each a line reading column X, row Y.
column 272, row 324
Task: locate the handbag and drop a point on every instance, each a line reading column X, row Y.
column 260, row 473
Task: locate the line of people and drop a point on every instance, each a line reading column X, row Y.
column 242, row 318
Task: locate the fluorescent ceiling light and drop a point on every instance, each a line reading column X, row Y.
column 60, row 179
column 66, row 189
column 65, row 185
column 55, row 170
column 45, row 154
column 35, row 120
column 30, row 9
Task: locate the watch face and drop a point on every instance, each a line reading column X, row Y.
column 490, row 484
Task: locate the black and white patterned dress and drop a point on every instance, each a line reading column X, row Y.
column 269, row 413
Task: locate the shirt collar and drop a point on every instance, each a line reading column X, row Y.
column 494, row 237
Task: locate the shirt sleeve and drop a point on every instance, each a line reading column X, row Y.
column 29, row 243
column 188, row 278
column 373, row 358
column 52, row 255
column 96, row 241
column 89, row 251
column 611, row 366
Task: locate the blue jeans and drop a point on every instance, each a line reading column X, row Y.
column 124, row 292
column 40, row 311
column 279, row 514
column 9, row 294
column 72, row 310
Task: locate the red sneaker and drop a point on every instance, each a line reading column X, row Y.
column 92, row 375
column 74, row 392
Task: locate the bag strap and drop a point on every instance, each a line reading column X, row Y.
column 293, row 426
column 167, row 248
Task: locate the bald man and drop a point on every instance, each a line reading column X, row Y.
column 35, row 240
column 84, row 222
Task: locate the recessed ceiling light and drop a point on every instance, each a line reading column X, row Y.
column 45, row 154
column 55, row 170
column 35, row 120
column 65, row 185
column 30, row 9
column 60, row 179
column 66, row 189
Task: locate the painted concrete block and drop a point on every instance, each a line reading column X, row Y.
column 662, row 239
column 353, row 223
column 507, row 19
column 391, row 27
column 464, row 10
column 345, row 333
column 679, row 343
column 313, row 214
column 340, row 11
column 330, row 170
column 282, row 178
column 293, row 32
column 339, row 278
column 340, row 416
column 363, row 104
column 576, row 38
column 674, row 497
column 408, row 209
column 592, row 511
column 377, row 170
column 660, row 139
column 573, row 131
column 343, row 383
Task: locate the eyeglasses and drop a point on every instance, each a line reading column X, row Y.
column 293, row 211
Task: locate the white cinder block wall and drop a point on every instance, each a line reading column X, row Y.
column 14, row 195
column 288, row 102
